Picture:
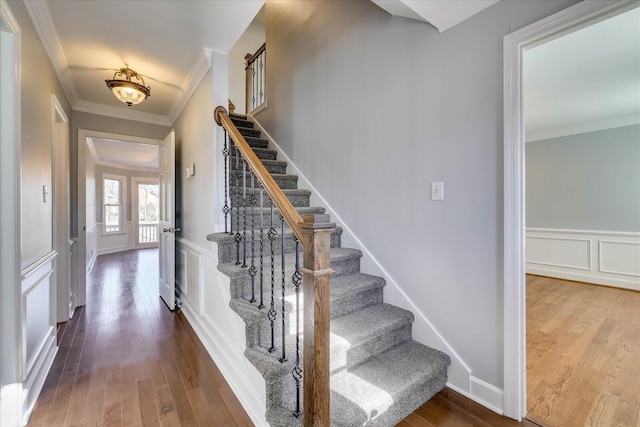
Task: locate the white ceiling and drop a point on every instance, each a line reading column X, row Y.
column 123, row 154
column 585, row 81
column 167, row 40
column 442, row 14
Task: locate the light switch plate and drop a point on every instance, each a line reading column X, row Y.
column 437, row 190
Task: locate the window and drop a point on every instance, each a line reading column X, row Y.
column 112, row 191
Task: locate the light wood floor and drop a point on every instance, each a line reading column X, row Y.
column 583, row 354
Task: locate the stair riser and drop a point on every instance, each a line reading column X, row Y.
column 253, row 133
column 297, row 200
column 344, row 356
column 354, row 302
column 253, row 221
column 227, row 251
column 274, row 168
column 285, row 182
column 242, row 123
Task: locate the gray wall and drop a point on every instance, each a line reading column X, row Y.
column 39, row 82
column 194, row 144
column 252, row 38
column 589, row 181
column 100, row 123
column 372, row 108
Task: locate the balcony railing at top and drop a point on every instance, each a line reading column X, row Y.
column 147, row 232
column 249, row 186
column 256, row 78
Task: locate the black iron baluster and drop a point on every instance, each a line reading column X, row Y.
column 236, row 174
column 261, row 76
column 225, row 208
column 272, row 314
column 297, row 370
column 253, row 88
column 284, row 356
column 252, row 269
column 261, row 246
column 244, row 205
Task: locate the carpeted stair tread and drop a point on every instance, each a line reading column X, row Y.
column 238, row 116
column 222, row 238
column 265, row 153
column 242, row 122
column 253, row 133
column 367, row 392
column 336, row 255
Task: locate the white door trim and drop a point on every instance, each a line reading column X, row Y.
column 11, row 346
column 515, row 44
column 83, row 134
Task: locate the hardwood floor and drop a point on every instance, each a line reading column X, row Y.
column 583, row 354
column 126, row 360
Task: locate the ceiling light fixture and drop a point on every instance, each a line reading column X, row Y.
column 127, row 90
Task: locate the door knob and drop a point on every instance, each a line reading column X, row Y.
column 171, row 230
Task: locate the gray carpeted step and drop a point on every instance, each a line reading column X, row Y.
column 264, row 154
column 227, row 248
column 253, row 133
column 284, row 181
column 257, row 142
column 363, row 334
column 242, row 122
column 238, row 116
column 299, row 198
column 253, row 217
column 383, row 391
column 273, row 166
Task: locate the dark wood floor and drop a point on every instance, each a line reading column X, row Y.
column 125, row 360
column 583, row 354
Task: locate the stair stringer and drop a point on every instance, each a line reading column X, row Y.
column 224, row 336
column 459, row 374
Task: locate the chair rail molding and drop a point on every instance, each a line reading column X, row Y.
column 515, row 44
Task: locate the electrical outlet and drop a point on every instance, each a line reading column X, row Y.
column 437, row 190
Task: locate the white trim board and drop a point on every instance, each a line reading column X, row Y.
column 460, row 375
column 515, row 44
column 11, row 346
column 599, row 257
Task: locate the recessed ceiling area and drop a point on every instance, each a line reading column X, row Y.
column 123, row 154
column 585, row 81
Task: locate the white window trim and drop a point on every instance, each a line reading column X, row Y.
column 135, row 215
column 123, row 204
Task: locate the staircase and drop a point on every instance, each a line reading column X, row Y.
column 379, row 375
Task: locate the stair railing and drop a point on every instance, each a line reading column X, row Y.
column 246, row 182
column 256, row 78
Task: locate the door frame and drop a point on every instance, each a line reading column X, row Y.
column 64, row 302
column 135, row 215
column 11, row 345
column 83, row 135
column 515, row 44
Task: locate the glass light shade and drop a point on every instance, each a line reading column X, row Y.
column 128, row 92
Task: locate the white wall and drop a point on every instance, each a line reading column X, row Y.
column 249, row 42
column 392, row 105
column 91, row 215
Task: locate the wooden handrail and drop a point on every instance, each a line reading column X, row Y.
column 250, row 58
column 283, row 204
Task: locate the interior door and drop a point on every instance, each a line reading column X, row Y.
column 167, row 219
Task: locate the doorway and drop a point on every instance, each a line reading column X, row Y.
column 146, row 209
column 93, row 238
column 515, row 45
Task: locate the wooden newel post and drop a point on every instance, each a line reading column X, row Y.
column 316, row 271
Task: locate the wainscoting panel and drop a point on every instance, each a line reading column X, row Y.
column 600, row 257
column 205, row 296
column 92, row 246
column 38, row 327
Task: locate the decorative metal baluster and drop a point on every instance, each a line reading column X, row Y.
column 284, row 356
column 297, row 370
column 244, row 205
column 225, row 208
column 253, row 86
column 272, row 314
column 261, row 246
column 238, row 236
column 262, row 82
column 252, row 269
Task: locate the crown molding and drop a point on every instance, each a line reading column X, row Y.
column 92, row 149
column 96, row 159
column 618, row 122
column 8, row 17
column 41, row 17
column 191, row 83
column 121, row 113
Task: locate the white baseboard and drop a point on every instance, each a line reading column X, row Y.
column 485, row 394
column 591, row 256
column 459, row 373
column 37, row 373
column 114, row 249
